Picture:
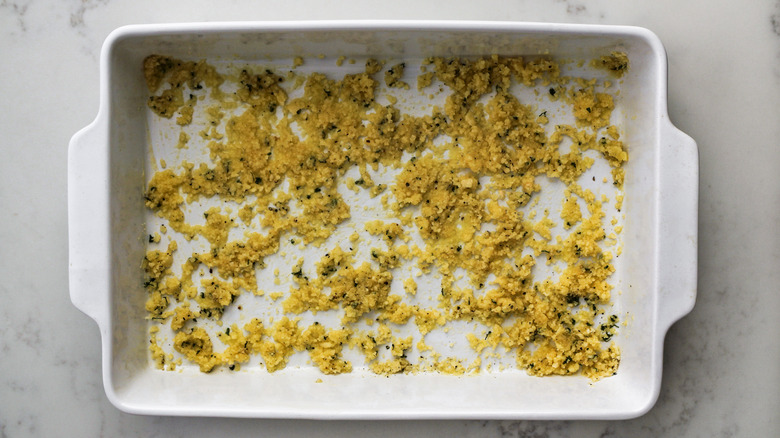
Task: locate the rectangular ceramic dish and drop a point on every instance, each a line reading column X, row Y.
column 109, row 164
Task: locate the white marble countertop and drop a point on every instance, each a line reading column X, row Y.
column 721, row 363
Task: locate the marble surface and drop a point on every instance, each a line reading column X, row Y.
column 721, row 363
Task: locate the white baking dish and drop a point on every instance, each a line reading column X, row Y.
column 106, row 176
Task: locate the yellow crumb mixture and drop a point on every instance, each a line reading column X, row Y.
column 460, row 206
column 615, row 62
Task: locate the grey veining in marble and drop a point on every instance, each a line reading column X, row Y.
column 721, row 363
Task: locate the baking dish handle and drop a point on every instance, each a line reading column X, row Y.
column 678, row 220
column 88, row 226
